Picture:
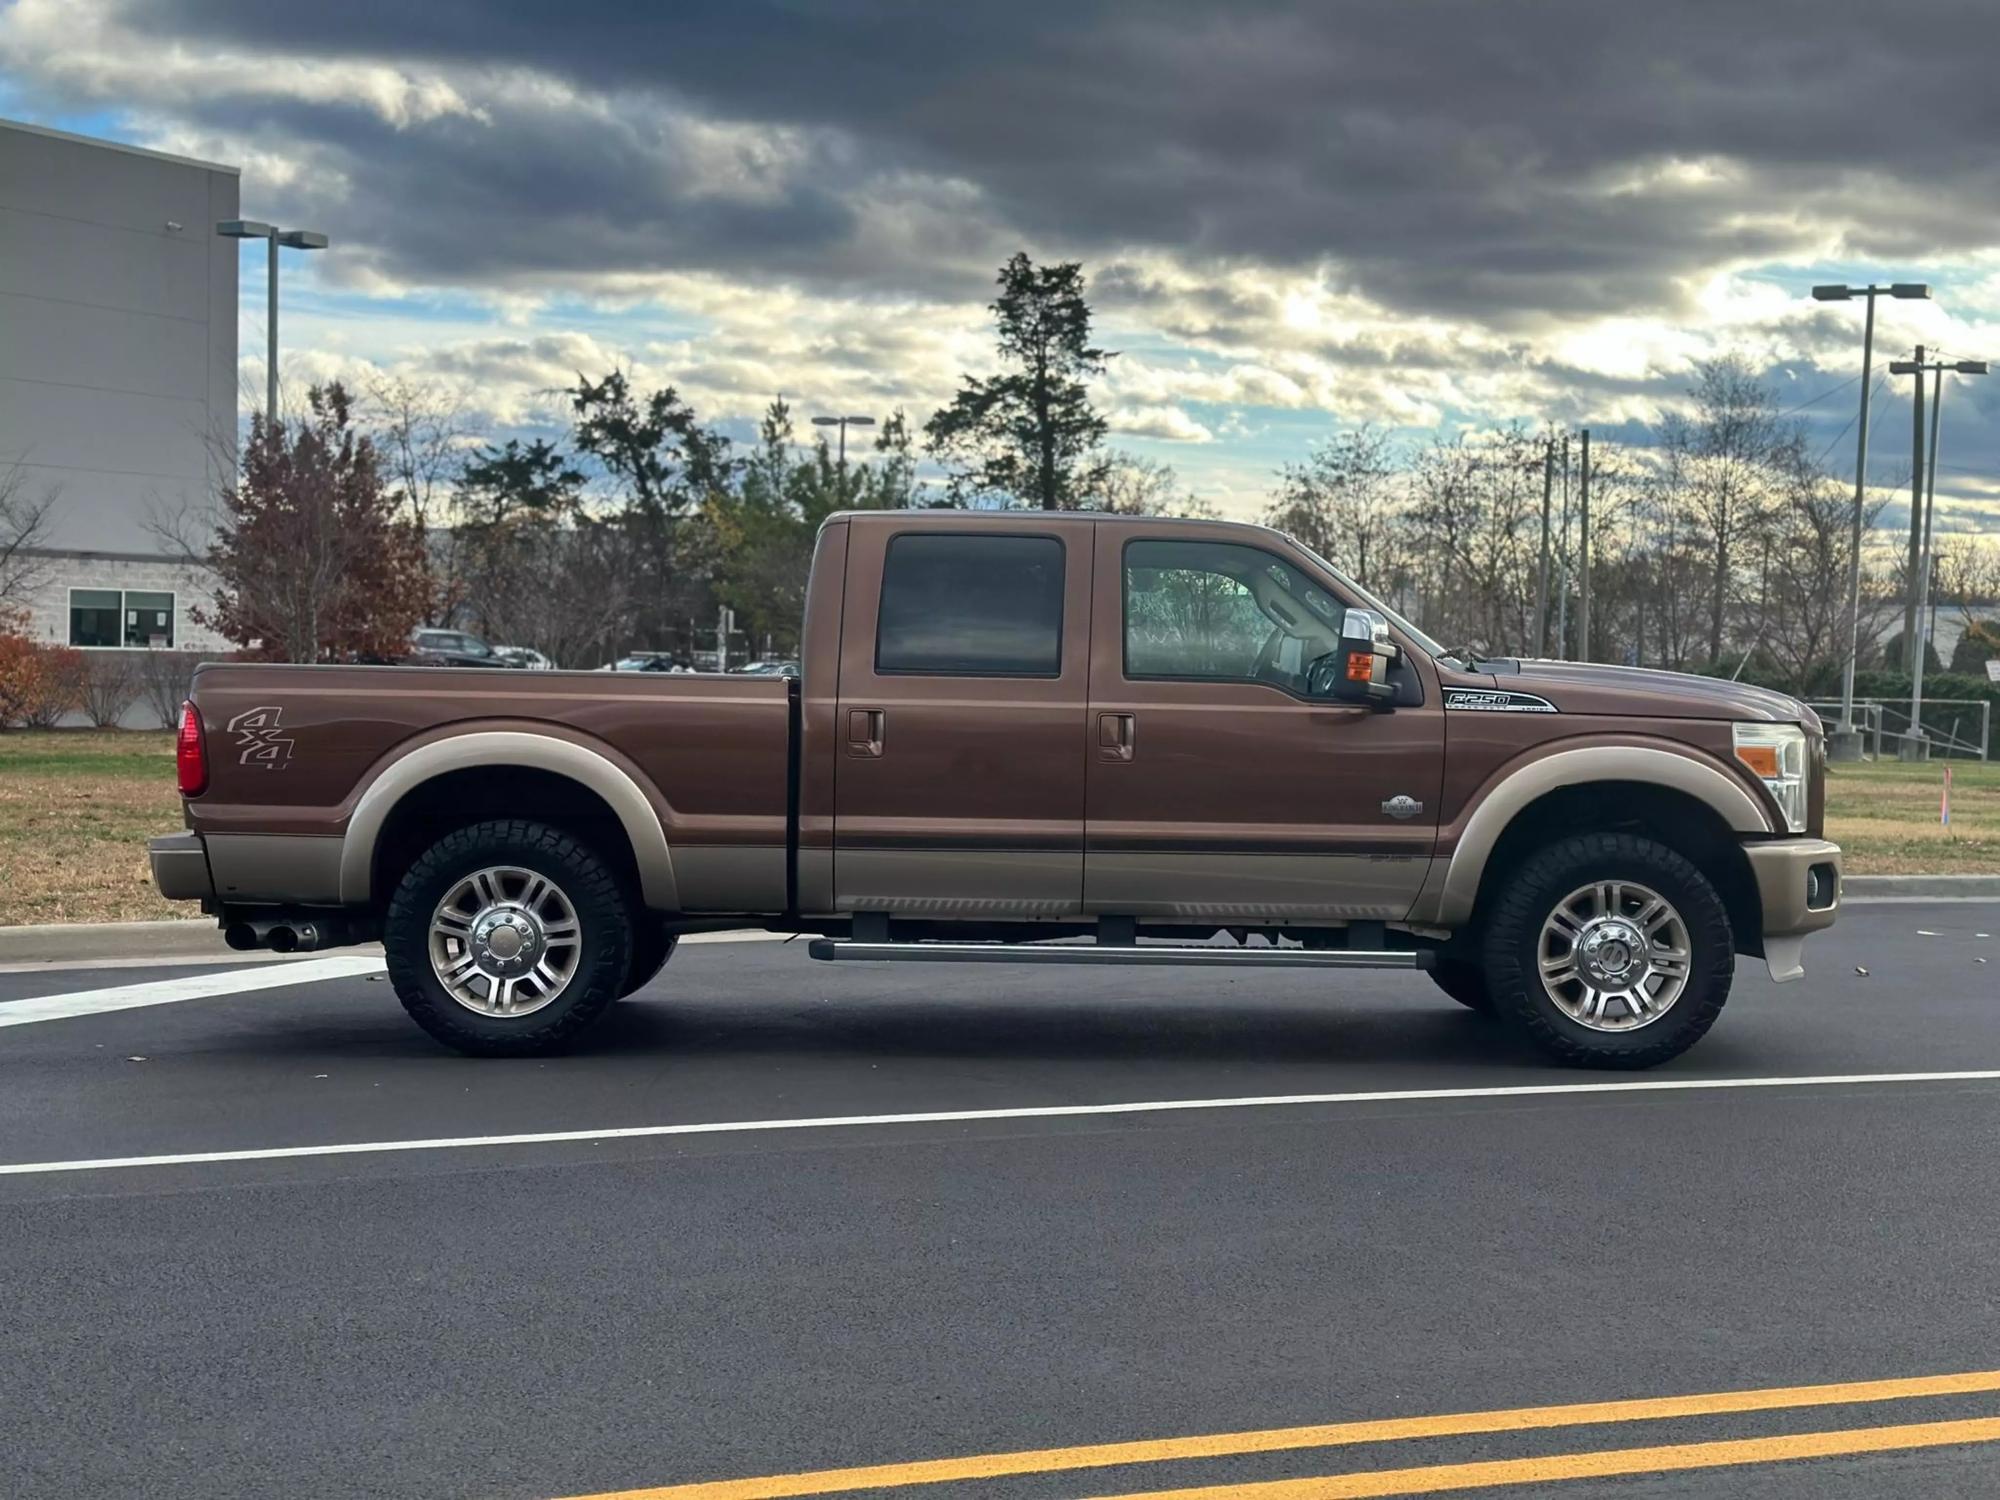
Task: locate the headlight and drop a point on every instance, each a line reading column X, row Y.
column 1777, row 754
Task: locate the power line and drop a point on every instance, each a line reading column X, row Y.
column 1833, row 390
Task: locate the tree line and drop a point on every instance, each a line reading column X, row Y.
column 1719, row 539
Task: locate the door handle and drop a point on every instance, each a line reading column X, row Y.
column 864, row 731
column 1115, row 734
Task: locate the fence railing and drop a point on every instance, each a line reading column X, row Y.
column 1955, row 726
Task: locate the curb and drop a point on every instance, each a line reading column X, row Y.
column 1909, row 887
column 66, row 942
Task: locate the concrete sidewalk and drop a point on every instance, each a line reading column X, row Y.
column 201, row 939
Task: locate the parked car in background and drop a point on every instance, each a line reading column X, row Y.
column 644, row 661
column 775, row 668
column 452, row 648
column 524, row 656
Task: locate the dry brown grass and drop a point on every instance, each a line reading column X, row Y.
column 1884, row 816
column 76, row 809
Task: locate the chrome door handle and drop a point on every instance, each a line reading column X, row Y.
column 864, row 732
column 1115, row 736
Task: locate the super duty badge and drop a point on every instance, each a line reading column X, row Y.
column 1490, row 701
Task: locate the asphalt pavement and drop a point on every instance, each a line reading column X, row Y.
column 603, row 1312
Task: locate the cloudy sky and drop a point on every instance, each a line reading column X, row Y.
column 1426, row 215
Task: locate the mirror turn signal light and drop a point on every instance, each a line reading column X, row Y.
column 1360, row 666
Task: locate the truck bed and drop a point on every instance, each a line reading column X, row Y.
column 293, row 749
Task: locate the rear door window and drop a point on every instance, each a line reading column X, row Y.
column 971, row 606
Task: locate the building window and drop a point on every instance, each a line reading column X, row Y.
column 93, row 617
column 967, row 605
column 111, row 617
column 149, row 619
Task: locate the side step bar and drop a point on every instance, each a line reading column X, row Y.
column 1199, row 954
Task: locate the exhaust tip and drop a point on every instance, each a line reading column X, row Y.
column 240, row 936
column 284, row 940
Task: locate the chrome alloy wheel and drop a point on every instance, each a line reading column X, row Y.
column 505, row 941
column 1614, row 956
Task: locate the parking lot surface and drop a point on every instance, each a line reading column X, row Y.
column 841, row 1287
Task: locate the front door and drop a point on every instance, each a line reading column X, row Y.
column 1218, row 790
column 964, row 665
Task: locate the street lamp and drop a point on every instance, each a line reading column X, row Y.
column 1916, row 637
column 1846, row 740
column 296, row 239
column 843, row 423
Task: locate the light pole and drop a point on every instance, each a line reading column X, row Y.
column 296, row 239
column 1916, row 637
column 1845, row 743
column 843, row 423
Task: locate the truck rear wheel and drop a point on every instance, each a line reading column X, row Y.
column 1609, row 951
column 507, row 938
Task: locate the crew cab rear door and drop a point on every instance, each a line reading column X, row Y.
column 964, row 666
column 1218, row 789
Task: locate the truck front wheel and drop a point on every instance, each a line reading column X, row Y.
column 507, row 938
column 1609, row 951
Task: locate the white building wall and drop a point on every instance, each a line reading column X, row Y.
column 118, row 387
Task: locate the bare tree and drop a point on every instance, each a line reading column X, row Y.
column 26, row 520
column 1341, row 501
column 1725, row 460
column 419, row 429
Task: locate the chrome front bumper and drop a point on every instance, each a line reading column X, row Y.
column 1798, row 886
column 180, row 867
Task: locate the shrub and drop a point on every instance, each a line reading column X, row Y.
column 38, row 683
column 110, row 688
column 165, row 680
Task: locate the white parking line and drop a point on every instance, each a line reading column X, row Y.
column 956, row 1116
column 197, row 987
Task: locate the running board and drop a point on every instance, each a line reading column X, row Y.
column 1200, row 954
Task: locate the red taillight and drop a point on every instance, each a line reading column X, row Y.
column 191, row 754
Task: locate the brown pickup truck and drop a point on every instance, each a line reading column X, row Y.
column 1152, row 741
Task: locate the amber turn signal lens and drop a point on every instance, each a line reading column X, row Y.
column 1360, row 666
column 1763, row 759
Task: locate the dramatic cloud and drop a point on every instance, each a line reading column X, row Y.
column 1403, row 211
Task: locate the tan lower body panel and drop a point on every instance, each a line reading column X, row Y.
column 270, row 868
column 1253, row 887
column 954, row 883
column 730, row 877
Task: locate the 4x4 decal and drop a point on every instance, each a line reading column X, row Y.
column 259, row 741
column 1488, row 701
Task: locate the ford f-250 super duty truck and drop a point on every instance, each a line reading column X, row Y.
column 1136, row 735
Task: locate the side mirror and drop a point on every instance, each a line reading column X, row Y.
column 1359, row 671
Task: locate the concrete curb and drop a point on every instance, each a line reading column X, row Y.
column 1907, row 887
column 66, row 942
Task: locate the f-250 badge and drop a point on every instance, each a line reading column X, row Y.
column 259, row 741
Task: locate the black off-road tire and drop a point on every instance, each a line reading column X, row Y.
column 1465, row 981
column 1530, row 894
column 604, row 918
column 652, row 946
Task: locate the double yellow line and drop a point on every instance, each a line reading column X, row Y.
column 1433, row 1478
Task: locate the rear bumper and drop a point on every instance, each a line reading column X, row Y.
column 180, row 867
column 1798, row 888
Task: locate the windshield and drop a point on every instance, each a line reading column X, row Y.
column 1423, row 641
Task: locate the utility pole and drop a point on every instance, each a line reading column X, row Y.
column 843, row 423
column 724, row 623
column 1916, row 509
column 1562, row 587
column 1542, row 583
column 1583, row 558
column 1916, row 635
